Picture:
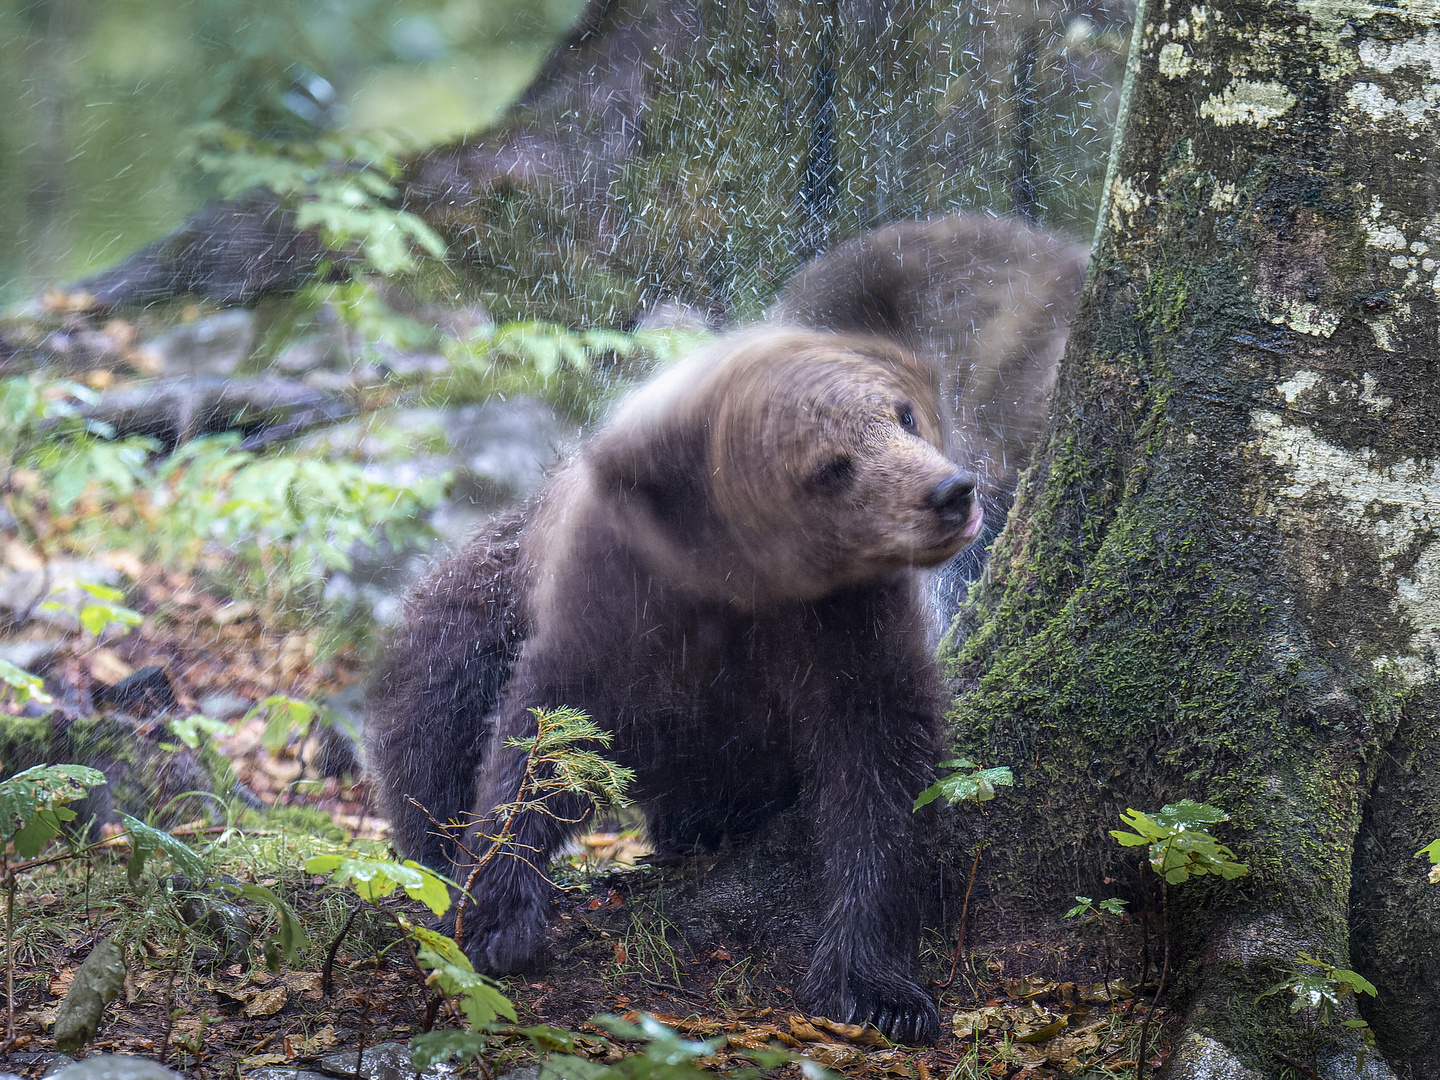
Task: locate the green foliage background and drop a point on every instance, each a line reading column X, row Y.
column 105, row 96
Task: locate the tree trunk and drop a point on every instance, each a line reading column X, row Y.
column 697, row 152
column 1221, row 579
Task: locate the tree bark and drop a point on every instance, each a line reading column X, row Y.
column 1221, row 579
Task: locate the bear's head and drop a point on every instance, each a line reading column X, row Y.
column 784, row 465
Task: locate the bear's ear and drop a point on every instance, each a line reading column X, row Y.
column 662, row 470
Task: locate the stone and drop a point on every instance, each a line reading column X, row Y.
column 214, row 345
column 114, row 1067
column 383, row 1061
column 32, row 654
column 223, row 705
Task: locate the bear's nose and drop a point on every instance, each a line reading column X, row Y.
column 951, row 497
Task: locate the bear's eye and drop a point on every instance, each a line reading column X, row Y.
column 834, row 475
column 907, row 417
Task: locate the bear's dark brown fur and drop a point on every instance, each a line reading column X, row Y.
column 724, row 579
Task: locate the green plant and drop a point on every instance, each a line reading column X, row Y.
column 973, row 784
column 1432, row 852
column 21, row 686
column 344, row 185
column 555, row 764
column 1177, row 850
column 34, row 808
column 1096, row 909
column 102, row 611
column 556, row 761
column 1101, row 913
column 968, row 783
column 1321, row 992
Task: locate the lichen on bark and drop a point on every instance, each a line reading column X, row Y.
column 1220, row 578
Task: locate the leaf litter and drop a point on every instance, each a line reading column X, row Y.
column 223, row 1015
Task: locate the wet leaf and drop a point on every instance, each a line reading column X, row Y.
column 98, row 981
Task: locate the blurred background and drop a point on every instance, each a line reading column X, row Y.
column 105, row 97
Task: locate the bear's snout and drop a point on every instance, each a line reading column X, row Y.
column 953, row 497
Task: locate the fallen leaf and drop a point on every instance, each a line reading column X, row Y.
column 974, row 1021
column 107, row 667
column 863, row 1034
column 894, row 1062
column 1026, row 1034
column 256, row 1060
column 835, row 1055
column 265, row 1002
column 304, row 982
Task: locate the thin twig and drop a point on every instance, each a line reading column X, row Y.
column 9, row 952
column 1164, row 971
column 364, row 1018
column 169, row 1012
column 964, row 912
column 327, row 973
column 1300, row 1065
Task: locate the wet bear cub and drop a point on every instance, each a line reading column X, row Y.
column 724, row 577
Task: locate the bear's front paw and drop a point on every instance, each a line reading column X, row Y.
column 900, row 1008
column 503, row 948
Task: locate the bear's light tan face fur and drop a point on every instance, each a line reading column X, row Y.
column 781, row 466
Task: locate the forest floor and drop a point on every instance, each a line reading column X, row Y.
column 1020, row 1008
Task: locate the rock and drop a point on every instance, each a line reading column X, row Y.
column 146, row 692
column 383, row 1061
column 56, row 1063
column 215, row 913
column 281, row 1072
column 312, row 353
column 214, row 345
column 222, row 705
column 174, row 410
column 114, row 1067
column 32, row 655
column 23, row 590
column 98, row 981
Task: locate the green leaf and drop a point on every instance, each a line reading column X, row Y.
column 1354, row 979
column 1431, row 851
column 25, row 687
column 450, row 970
column 33, row 803
column 107, row 593
column 146, row 841
column 285, row 717
column 374, row 878
column 189, row 730
column 436, row 1046
column 972, row 784
column 292, row 937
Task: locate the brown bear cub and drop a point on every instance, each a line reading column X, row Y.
column 724, row 578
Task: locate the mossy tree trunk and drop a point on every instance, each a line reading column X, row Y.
column 1221, row 580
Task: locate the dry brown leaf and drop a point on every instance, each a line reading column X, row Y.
column 835, row 1055
column 894, row 1062
column 304, row 982
column 107, row 667
column 265, row 1002
column 254, row 1061
column 863, row 1034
